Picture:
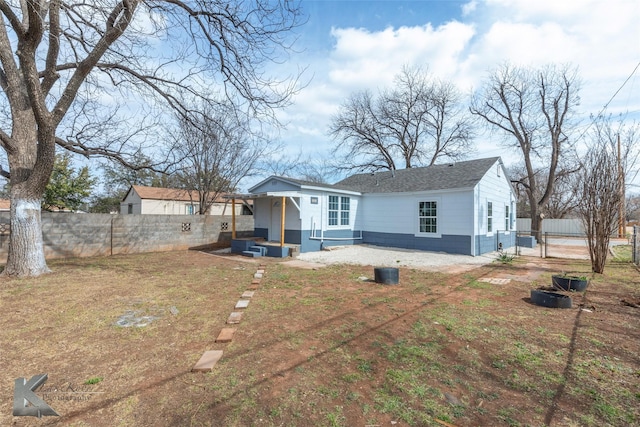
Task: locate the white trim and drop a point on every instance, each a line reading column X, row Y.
column 339, row 226
column 416, row 216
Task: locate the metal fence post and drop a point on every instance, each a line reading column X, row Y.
column 635, row 247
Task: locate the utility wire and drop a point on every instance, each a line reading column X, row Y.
column 609, row 101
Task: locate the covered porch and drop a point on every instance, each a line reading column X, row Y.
column 276, row 225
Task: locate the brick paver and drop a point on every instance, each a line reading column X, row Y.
column 226, row 335
column 234, row 317
column 494, row 280
column 243, row 303
column 207, row 361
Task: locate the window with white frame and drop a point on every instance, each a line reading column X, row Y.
column 507, row 218
column 190, row 209
column 428, row 216
column 339, row 210
column 489, row 217
column 344, row 210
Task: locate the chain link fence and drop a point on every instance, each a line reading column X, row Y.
column 573, row 245
column 555, row 245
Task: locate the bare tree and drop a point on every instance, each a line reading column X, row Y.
column 600, row 196
column 632, row 208
column 118, row 178
column 308, row 168
column 418, row 121
column 533, row 109
column 85, row 76
column 217, row 151
column 562, row 203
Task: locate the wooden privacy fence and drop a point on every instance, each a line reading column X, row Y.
column 68, row 235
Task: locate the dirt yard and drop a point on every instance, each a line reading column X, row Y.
column 320, row 346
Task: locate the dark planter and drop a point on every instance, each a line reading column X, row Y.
column 569, row 283
column 386, row 275
column 550, row 299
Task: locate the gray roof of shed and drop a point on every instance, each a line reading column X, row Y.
column 302, row 182
column 450, row 176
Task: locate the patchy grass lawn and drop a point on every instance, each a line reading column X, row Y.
column 320, row 347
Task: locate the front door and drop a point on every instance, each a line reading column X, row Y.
column 276, row 222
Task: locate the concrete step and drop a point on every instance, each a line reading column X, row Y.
column 261, row 249
column 251, row 254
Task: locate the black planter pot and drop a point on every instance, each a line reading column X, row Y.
column 569, row 283
column 386, row 275
column 550, row 299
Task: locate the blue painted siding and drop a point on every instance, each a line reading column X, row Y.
column 453, row 244
column 507, row 240
column 290, row 236
column 312, row 245
column 485, row 244
column 261, row 232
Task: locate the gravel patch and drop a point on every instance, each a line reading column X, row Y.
column 393, row 257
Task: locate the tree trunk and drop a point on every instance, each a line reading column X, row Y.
column 26, row 251
column 536, row 221
column 30, row 163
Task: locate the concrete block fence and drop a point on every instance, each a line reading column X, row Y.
column 68, row 235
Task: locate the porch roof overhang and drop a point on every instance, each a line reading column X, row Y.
column 263, row 195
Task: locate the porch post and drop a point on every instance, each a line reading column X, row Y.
column 233, row 218
column 284, row 203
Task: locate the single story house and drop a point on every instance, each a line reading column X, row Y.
column 465, row 207
column 171, row 201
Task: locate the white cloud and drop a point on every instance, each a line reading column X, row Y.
column 469, row 8
column 362, row 59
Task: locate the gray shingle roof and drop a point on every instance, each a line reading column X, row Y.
column 307, row 183
column 435, row 177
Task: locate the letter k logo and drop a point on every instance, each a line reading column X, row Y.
column 24, row 395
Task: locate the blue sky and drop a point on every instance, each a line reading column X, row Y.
column 356, row 45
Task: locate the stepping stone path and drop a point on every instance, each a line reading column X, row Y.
column 243, row 303
column 234, row 317
column 494, row 280
column 226, row 335
column 211, row 357
column 207, row 361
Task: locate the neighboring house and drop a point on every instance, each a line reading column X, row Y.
column 5, row 205
column 171, row 201
column 462, row 208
